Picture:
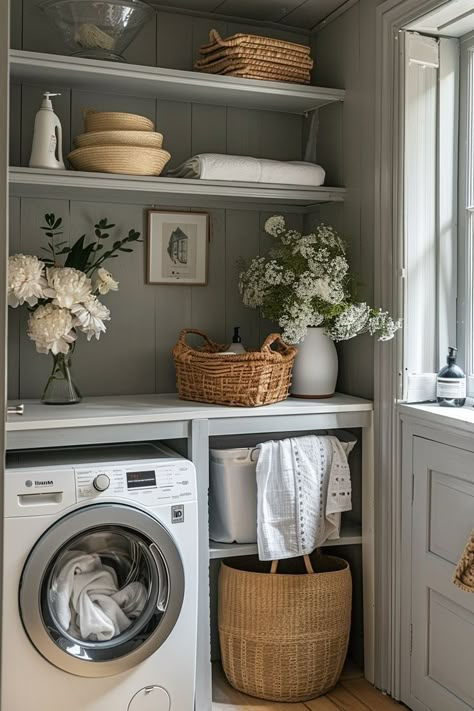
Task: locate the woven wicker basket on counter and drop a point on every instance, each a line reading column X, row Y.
column 248, row 380
column 284, row 637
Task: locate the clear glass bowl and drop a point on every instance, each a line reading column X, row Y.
column 95, row 29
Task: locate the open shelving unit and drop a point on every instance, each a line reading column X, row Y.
column 35, row 68
column 185, row 425
column 188, row 427
column 106, row 187
column 351, row 535
column 172, row 84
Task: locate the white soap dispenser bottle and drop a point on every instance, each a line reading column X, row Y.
column 47, row 151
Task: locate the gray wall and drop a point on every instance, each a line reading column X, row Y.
column 344, row 54
column 134, row 355
column 146, row 319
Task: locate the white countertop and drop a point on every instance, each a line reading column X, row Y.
column 461, row 418
column 138, row 409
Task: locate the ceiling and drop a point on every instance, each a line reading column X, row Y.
column 303, row 14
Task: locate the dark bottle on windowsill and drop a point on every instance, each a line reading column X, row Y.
column 451, row 383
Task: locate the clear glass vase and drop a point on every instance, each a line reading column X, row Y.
column 60, row 388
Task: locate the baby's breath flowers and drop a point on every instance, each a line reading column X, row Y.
column 304, row 282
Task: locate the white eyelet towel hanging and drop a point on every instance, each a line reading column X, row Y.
column 303, row 486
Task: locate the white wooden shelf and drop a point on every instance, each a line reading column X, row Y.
column 54, row 70
column 106, row 187
column 141, row 417
column 351, row 535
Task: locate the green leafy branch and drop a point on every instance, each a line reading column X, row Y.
column 88, row 257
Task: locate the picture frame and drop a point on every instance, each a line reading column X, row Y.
column 177, row 248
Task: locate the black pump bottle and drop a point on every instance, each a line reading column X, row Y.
column 451, row 383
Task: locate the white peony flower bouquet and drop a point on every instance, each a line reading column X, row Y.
column 63, row 298
column 304, row 282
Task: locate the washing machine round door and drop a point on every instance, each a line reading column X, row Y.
column 102, row 590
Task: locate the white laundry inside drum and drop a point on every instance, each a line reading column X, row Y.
column 103, row 582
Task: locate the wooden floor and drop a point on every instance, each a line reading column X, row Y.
column 349, row 695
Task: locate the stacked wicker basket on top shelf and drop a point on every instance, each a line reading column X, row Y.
column 116, row 142
column 254, row 57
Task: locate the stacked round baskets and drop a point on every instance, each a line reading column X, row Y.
column 254, row 57
column 116, row 142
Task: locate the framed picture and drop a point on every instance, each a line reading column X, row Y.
column 177, row 247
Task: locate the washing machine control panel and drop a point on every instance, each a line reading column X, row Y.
column 148, row 483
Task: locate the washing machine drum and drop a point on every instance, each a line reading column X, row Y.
column 101, row 590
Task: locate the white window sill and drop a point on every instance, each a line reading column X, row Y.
column 458, row 418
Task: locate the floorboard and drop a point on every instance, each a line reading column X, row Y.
column 352, row 694
column 373, row 699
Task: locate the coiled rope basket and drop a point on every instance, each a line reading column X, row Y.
column 284, row 637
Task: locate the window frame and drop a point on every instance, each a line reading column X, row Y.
column 465, row 292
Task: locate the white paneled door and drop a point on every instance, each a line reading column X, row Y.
column 442, row 655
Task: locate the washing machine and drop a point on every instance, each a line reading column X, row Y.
column 76, row 522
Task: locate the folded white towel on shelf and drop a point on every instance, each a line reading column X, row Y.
column 88, row 602
column 303, row 486
column 216, row 166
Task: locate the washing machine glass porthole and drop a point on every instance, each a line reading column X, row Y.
column 102, row 590
column 104, row 593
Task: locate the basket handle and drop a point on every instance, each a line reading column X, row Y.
column 270, row 340
column 186, row 331
column 214, row 36
column 307, row 565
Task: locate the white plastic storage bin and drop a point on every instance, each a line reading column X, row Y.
column 233, row 495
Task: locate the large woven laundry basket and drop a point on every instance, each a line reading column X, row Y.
column 284, row 637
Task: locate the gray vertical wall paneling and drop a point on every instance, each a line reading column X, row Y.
column 173, row 312
column 242, row 243
column 174, row 41
column 15, row 124
column 209, row 129
column 280, row 135
column 14, row 314
column 174, row 121
column 208, row 303
column 123, row 360
column 16, row 23
column 30, row 104
column 39, row 33
column 243, row 132
column 142, row 50
column 35, row 367
column 338, row 53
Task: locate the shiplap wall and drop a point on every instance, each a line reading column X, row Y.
column 134, row 355
column 344, row 54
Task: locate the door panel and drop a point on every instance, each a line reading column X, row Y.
column 451, row 632
column 450, row 494
column 442, row 658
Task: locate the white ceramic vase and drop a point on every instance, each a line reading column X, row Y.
column 316, row 366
